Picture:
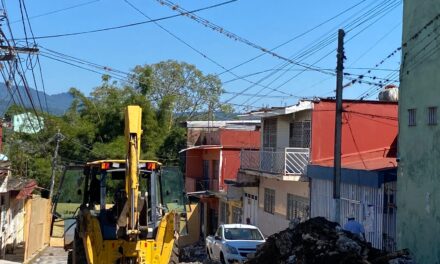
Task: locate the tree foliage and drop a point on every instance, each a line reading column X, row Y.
column 168, row 92
column 185, row 88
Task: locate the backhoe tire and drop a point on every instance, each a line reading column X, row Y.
column 79, row 253
column 70, row 257
column 174, row 259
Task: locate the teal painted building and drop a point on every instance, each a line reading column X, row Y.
column 418, row 197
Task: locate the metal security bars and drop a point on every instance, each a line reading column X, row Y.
column 286, row 161
column 297, row 207
column 269, row 200
column 411, row 117
column 432, row 116
column 299, row 136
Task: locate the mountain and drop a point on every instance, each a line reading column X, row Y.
column 57, row 103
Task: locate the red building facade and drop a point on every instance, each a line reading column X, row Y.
column 213, row 156
column 369, row 133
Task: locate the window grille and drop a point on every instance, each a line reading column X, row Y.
column 432, row 116
column 411, row 117
column 269, row 200
column 270, row 133
column 300, row 134
column 297, row 207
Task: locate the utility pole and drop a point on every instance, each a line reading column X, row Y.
column 338, row 126
column 58, row 138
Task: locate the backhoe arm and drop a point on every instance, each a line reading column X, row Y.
column 133, row 132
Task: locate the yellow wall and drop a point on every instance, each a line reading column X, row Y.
column 193, row 227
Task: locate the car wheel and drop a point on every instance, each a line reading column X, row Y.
column 222, row 258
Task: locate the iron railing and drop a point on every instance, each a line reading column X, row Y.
column 207, row 185
column 287, row 161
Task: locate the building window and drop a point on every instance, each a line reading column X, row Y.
column 432, row 116
column 297, row 207
column 215, row 169
column 270, row 134
column 411, row 117
column 299, row 134
column 269, row 200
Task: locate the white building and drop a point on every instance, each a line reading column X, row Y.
column 27, row 123
column 275, row 189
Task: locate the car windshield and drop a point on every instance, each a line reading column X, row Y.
column 242, row 234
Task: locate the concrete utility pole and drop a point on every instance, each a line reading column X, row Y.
column 338, row 126
column 58, row 138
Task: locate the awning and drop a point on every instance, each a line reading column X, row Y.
column 24, row 187
column 202, row 147
column 374, row 178
column 241, row 184
column 27, row 190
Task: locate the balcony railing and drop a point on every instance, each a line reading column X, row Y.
column 207, row 185
column 287, row 161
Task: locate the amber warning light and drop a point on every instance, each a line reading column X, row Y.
column 105, row 166
column 151, row 166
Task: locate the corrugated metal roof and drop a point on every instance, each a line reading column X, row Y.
column 222, row 124
column 277, row 111
column 202, row 147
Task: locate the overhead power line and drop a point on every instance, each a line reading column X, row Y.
column 297, row 36
column 319, row 44
column 200, row 52
column 131, row 24
column 57, row 11
column 234, row 36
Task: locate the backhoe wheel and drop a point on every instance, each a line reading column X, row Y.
column 79, row 253
column 174, row 259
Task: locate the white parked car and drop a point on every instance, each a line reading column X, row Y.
column 233, row 242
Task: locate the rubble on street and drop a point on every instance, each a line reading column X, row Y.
column 321, row 241
column 194, row 254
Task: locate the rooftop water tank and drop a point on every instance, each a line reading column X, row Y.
column 389, row 93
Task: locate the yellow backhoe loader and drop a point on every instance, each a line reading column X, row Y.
column 122, row 217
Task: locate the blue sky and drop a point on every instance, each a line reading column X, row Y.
column 267, row 23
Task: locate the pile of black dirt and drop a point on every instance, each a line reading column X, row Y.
column 319, row 241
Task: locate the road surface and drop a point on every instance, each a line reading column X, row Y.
column 51, row 255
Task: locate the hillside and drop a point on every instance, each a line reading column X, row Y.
column 57, row 103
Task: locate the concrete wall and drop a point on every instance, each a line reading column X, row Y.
column 229, row 167
column 272, row 223
column 283, row 130
column 194, row 166
column 283, row 126
column 193, row 226
column 418, row 214
column 230, row 138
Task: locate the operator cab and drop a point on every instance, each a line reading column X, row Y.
column 105, row 196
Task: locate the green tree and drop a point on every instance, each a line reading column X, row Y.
column 190, row 91
column 168, row 92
